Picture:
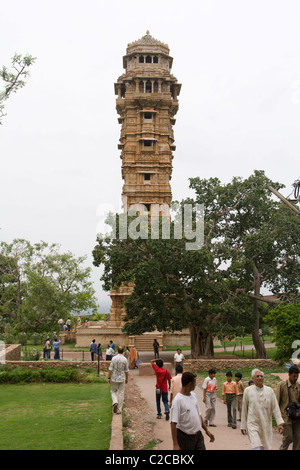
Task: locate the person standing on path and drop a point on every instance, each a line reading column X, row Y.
column 47, row 348
column 156, row 348
column 163, row 378
column 178, row 358
column 286, row 390
column 209, row 397
column 259, row 404
column 56, row 344
column 186, row 419
column 93, row 349
column 230, row 393
column 117, row 378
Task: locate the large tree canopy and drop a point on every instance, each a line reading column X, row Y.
column 215, row 289
column 39, row 285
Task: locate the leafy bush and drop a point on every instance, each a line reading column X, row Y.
column 22, row 375
column 286, row 321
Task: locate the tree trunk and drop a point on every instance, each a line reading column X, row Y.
column 261, row 352
column 201, row 342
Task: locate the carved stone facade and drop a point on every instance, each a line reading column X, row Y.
column 147, row 102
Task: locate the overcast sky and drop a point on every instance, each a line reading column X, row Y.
column 239, row 106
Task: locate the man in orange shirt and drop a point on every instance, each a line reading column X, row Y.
column 229, row 393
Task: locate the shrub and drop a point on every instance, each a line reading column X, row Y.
column 286, row 320
column 22, row 375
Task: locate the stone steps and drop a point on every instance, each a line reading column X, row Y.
column 145, row 342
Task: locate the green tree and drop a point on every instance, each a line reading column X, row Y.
column 285, row 319
column 262, row 233
column 174, row 288
column 216, row 289
column 43, row 285
column 14, row 78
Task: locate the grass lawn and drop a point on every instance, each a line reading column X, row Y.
column 55, row 417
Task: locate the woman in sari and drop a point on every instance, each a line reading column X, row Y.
column 133, row 357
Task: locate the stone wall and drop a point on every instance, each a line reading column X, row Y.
column 229, row 364
column 85, row 336
column 103, row 365
column 10, row 352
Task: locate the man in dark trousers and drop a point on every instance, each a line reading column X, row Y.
column 186, row 419
column 163, row 378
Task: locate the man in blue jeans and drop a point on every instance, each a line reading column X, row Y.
column 163, row 378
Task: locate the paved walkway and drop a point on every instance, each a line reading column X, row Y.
column 225, row 438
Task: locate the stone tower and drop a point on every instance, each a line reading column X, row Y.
column 147, row 103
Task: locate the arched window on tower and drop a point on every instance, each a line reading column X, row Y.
column 148, row 87
column 148, row 59
column 155, row 90
column 123, row 91
column 141, row 86
column 155, row 60
column 141, row 59
column 172, row 90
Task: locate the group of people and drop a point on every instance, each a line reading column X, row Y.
column 47, row 348
column 98, row 350
column 255, row 402
column 64, row 326
column 130, row 353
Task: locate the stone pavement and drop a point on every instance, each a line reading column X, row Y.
column 225, row 438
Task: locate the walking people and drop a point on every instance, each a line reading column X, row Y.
column 93, row 349
column 241, row 387
column 209, row 397
column 288, row 391
column 186, row 419
column 118, row 377
column 163, row 378
column 176, row 383
column 259, row 404
column 230, row 393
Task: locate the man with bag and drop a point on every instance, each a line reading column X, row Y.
column 287, row 393
column 163, row 378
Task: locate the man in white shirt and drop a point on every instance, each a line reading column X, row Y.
column 118, row 377
column 178, row 358
column 186, row 419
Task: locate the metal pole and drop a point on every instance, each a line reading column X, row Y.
column 283, row 199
